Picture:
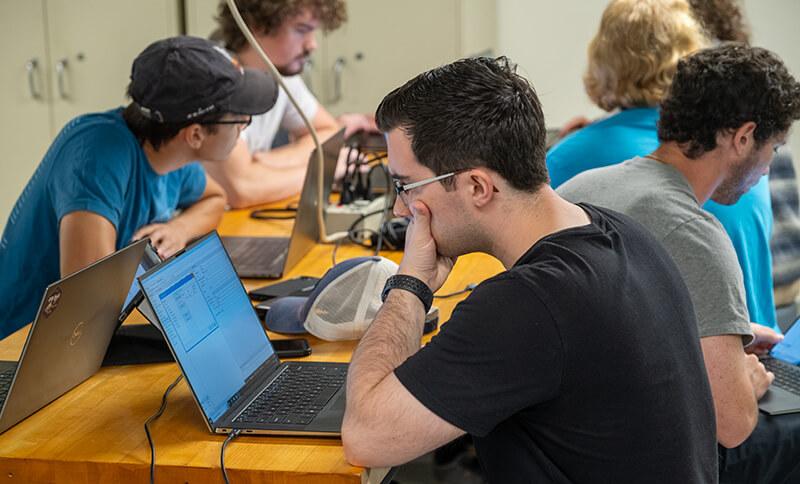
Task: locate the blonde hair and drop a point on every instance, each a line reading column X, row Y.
column 634, row 55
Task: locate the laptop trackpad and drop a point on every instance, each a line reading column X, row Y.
column 330, row 418
column 778, row 401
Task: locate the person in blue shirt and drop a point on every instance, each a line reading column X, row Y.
column 113, row 177
column 629, row 79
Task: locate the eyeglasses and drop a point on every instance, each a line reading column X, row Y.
column 401, row 189
column 244, row 122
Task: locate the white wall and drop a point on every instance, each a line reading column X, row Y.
column 548, row 39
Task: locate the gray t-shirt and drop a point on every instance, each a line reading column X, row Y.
column 659, row 197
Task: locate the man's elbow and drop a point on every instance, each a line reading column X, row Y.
column 735, row 429
column 357, row 450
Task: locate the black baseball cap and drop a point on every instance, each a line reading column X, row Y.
column 182, row 78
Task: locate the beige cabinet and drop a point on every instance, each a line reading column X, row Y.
column 25, row 128
column 63, row 58
column 383, row 44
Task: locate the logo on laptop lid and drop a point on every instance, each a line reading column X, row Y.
column 52, row 302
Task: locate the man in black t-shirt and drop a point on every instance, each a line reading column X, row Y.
column 580, row 363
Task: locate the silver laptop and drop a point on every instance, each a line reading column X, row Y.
column 271, row 257
column 783, row 396
column 69, row 336
column 227, row 358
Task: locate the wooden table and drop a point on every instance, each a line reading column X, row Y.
column 94, row 433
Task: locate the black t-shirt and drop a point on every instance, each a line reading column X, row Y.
column 581, row 363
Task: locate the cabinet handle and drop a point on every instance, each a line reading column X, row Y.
column 61, row 67
column 306, row 74
column 32, row 67
column 338, row 67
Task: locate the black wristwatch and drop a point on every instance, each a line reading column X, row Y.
column 412, row 285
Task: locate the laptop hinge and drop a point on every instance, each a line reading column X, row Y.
column 258, row 381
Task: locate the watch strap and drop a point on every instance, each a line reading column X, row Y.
column 410, row 284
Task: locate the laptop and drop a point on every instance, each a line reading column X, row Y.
column 783, row 396
column 226, row 357
column 271, row 257
column 69, row 336
column 135, row 344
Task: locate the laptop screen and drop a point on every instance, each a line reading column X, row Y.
column 789, row 349
column 209, row 321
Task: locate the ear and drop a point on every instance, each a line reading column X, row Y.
column 482, row 187
column 743, row 139
column 193, row 135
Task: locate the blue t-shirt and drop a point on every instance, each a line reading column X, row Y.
column 748, row 222
column 95, row 164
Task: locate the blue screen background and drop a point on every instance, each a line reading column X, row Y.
column 209, row 322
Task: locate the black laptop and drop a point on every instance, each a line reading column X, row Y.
column 783, row 395
column 272, row 257
column 225, row 355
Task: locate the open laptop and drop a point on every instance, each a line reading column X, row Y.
column 226, row 357
column 69, row 336
column 134, row 344
column 783, row 396
column 271, row 257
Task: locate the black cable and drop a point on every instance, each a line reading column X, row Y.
column 231, row 436
column 262, row 213
column 467, row 289
column 150, row 420
column 385, row 211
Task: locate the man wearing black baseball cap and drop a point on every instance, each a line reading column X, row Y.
column 121, row 175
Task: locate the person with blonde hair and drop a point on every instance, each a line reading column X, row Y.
column 632, row 61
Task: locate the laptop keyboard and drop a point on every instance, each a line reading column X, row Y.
column 296, row 396
column 787, row 376
column 5, row 382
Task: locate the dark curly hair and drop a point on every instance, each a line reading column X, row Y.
column 722, row 19
column 265, row 16
column 472, row 112
column 721, row 88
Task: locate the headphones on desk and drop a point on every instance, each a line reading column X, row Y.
column 393, row 232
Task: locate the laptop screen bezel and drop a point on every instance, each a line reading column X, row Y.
column 269, row 365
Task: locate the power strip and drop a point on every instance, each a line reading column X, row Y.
column 339, row 218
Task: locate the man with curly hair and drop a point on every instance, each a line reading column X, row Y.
column 728, row 109
column 255, row 173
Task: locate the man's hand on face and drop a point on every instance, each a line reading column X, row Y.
column 421, row 259
column 166, row 238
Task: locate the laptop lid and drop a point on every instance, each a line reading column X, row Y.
column 209, row 324
column 305, row 232
column 71, row 332
column 779, row 400
column 788, row 350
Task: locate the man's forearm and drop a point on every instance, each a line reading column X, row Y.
column 295, row 153
column 392, row 337
column 201, row 217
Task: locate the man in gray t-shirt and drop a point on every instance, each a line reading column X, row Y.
column 729, row 108
column 659, row 197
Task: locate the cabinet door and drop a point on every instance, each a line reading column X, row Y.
column 24, row 118
column 383, row 44
column 92, row 46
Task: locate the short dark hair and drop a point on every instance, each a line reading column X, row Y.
column 721, row 88
column 265, row 16
column 156, row 133
column 473, row 112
